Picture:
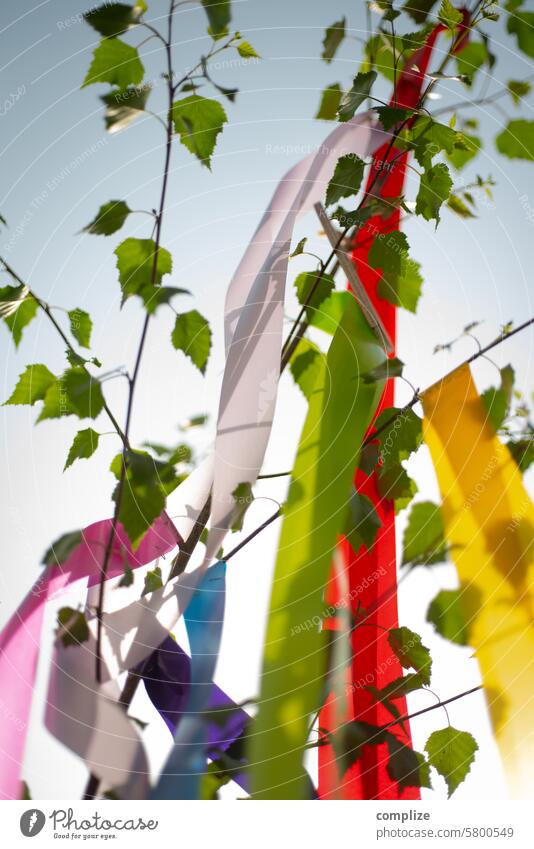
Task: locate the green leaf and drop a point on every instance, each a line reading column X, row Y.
column 459, row 207
column 154, row 296
column 449, row 16
column 333, row 37
column 198, row 121
column 494, row 401
column 192, row 335
column 153, row 581
column 517, row 140
column 347, row 178
column 114, row 18
column 330, row 100
column 400, row 687
column 72, row 627
column 60, row 550
column 26, row 794
column 522, row 450
column 518, row 90
column 391, row 367
column 109, row 218
column 306, row 365
column 418, row 9
column 424, row 536
column 460, row 156
column 243, row 498
column 497, row 401
column 247, row 51
column 411, row 652
column 521, row 24
column 471, row 57
column 451, row 753
column 299, row 249
column 451, row 612
column 84, row 446
column 428, row 138
column 135, row 263
column 412, row 41
column 18, row 308
column 124, row 106
column 401, row 280
column 219, row 15
column 32, row 385
column 401, row 436
column 406, row 766
column 80, row 327
column 83, row 393
column 147, row 483
column 380, row 55
column 435, row 187
column 304, row 284
column 358, row 92
column 390, row 116
column 348, row 740
column 329, row 315
column 362, row 523
column 56, row 403
column 116, row 63
column 395, row 484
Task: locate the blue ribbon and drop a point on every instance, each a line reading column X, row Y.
column 181, row 776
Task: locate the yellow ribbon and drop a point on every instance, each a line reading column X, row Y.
column 489, row 525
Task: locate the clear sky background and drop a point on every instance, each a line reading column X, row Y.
column 475, row 270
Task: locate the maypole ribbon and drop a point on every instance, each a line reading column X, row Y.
column 182, row 773
column 85, row 716
column 21, row 637
column 294, row 660
column 373, row 573
column 167, row 678
column 254, row 317
column 489, row 526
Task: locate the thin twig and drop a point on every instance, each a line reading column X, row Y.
column 471, row 359
column 324, row 741
column 140, row 350
column 49, row 314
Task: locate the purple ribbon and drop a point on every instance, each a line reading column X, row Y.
column 167, row 674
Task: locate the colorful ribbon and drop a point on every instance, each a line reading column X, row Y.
column 489, row 526
column 294, row 660
column 253, row 319
column 20, row 639
column 372, row 574
column 182, row 773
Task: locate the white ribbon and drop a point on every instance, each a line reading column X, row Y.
column 254, row 316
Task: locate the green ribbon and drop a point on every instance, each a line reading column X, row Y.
column 341, row 408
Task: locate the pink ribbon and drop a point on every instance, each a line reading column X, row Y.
column 20, row 638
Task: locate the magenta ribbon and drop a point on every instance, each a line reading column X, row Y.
column 21, row 637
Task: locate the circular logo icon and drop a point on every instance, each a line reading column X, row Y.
column 32, row 822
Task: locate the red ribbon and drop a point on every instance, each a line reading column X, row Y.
column 372, row 575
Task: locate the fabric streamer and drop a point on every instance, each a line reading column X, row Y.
column 254, row 316
column 294, row 659
column 21, row 637
column 489, row 526
column 85, row 716
column 372, row 574
column 167, row 677
column 182, row 773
